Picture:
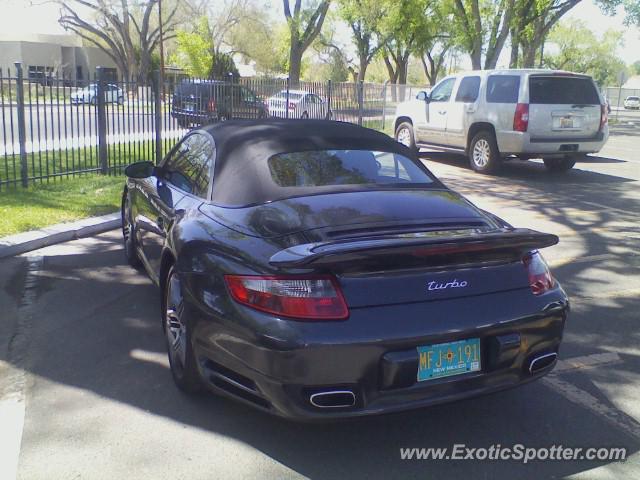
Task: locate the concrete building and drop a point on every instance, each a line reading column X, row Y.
column 44, row 56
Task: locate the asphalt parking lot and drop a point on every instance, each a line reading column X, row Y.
column 84, row 380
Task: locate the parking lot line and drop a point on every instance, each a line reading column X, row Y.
column 617, row 418
column 12, row 421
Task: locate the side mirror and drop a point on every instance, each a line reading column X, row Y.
column 140, row 170
column 423, row 96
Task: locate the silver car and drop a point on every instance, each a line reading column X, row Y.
column 494, row 115
column 300, row 104
column 89, row 94
column 632, row 102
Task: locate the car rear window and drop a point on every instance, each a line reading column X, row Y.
column 322, row 168
column 503, row 88
column 562, row 91
column 633, row 98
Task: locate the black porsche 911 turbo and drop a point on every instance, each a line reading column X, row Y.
column 316, row 269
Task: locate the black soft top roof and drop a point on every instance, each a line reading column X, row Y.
column 241, row 175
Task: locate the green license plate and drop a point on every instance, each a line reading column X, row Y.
column 448, row 359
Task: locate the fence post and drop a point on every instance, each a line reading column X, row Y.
column 103, row 155
column 286, row 107
column 329, row 99
column 232, row 93
column 384, row 105
column 22, row 129
column 158, row 88
column 360, row 101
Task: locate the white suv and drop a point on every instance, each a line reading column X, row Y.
column 494, row 115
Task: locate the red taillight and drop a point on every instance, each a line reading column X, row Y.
column 292, row 106
column 310, row 298
column 604, row 115
column 521, row 117
column 211, row 105
column 540, row 278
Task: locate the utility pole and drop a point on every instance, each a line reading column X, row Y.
column 161, row 89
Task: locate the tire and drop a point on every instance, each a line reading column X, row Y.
column 404, row 135
column 177, row 329
column 304, row 116
column 559, row 165
column 128, row 234
column 484, row 156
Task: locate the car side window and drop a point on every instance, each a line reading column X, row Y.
column 503, row 88
column 468, row 90
column 189, row 168
column 442, row 92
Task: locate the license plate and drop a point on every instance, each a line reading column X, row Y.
column 566, row 122
column 448, row 359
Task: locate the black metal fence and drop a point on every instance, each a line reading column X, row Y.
column 53, row 128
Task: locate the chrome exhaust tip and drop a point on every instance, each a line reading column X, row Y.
column 542, row 362
column 333, row 399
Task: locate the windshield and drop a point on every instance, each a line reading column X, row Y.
column 292, row 95
column 322, row 168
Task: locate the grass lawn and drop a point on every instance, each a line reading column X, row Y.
column 23, row 209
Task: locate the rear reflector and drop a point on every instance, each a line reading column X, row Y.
column 540, row 278
column 521, row 117
column 604, row 115
column 211, row 105
column 310, row 298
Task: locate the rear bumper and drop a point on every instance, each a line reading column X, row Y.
column 277, row 365
column 516, row 143
column 194, row 116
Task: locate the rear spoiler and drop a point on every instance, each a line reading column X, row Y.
column 517, row 240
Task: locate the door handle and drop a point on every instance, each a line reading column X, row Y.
column 442, row 112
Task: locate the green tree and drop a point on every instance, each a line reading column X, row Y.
column 482, row 28
column 259, row 40
column 578, row 49
column 196, row 53
column 304, row 25
column 635, row 67
column 194, row 49
column 631, row 9
column 364, row 19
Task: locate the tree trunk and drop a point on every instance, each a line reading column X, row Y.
column 295, row 64
column 364, row 64
column 515, row 48
column 393, row 77
column 529, row 55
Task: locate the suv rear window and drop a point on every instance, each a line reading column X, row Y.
column 322, row 168
column 503, row 88
column 562, row 91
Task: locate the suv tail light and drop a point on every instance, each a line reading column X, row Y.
column 540, row 278
column 311, row 298
column 604, row 115
column 211, row 106
column 521, row 117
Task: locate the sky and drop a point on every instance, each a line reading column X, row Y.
column 40, row 16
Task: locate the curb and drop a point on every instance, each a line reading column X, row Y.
column 62, row 232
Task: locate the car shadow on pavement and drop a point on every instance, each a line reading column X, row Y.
column 96, row 328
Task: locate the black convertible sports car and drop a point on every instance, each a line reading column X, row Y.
column 317, row 269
